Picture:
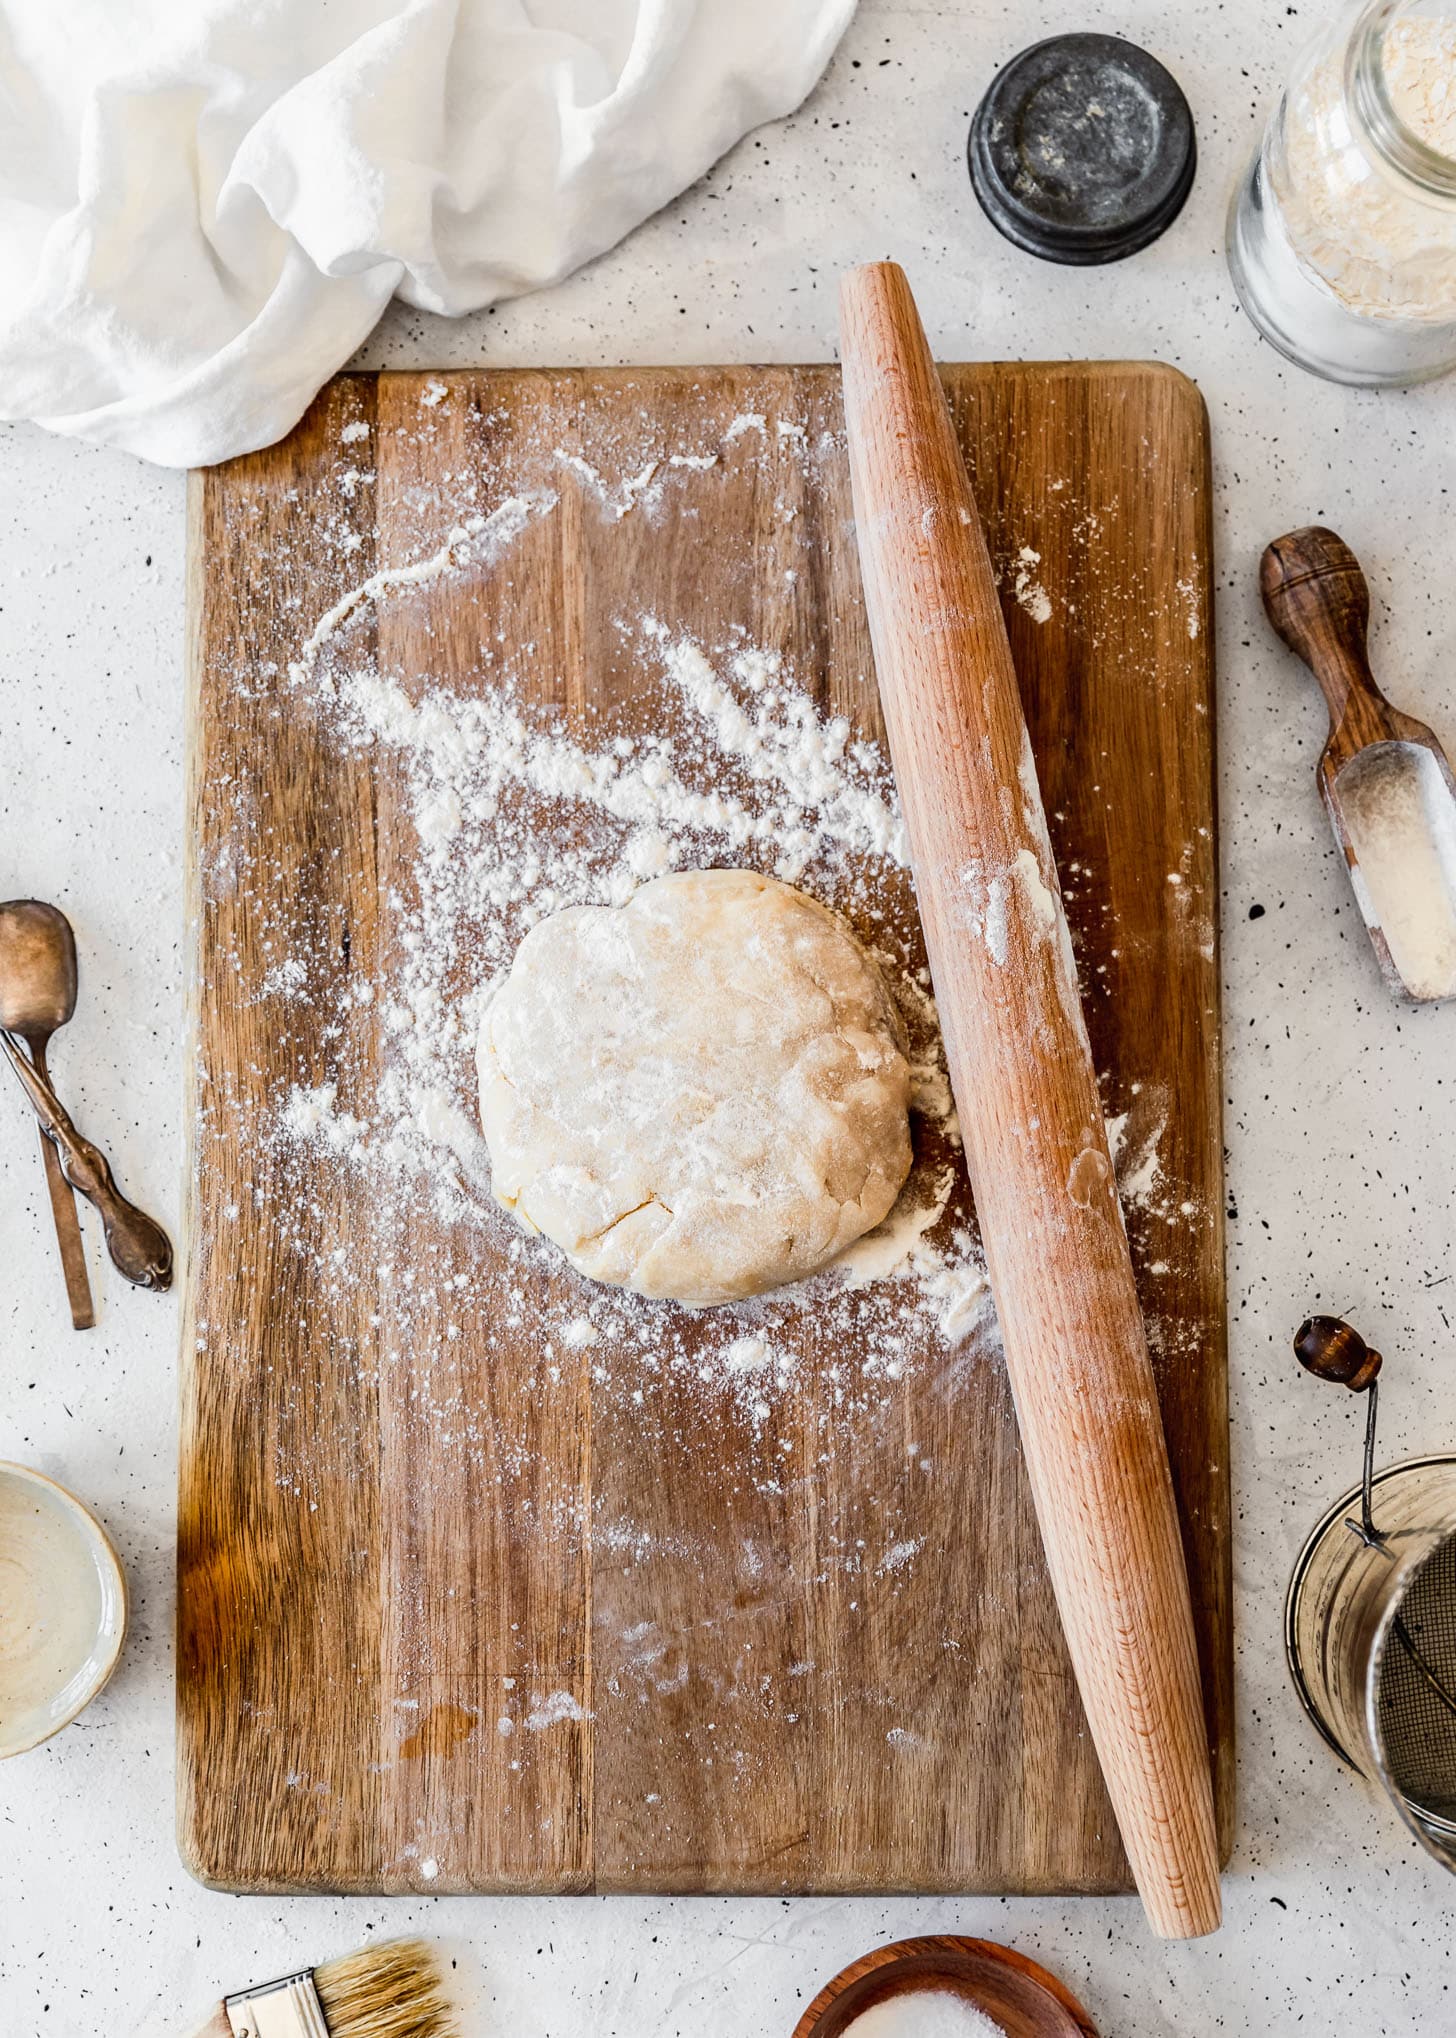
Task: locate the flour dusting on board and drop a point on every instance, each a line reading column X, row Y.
column 1028, row 590
column 585, row 636
column 516, row 818
column 514, row 811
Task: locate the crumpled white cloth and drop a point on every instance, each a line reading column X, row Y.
column 206, row 204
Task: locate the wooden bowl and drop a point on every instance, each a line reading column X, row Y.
column 1013, row 1991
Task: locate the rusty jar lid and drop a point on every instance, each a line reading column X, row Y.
column 1082, row 150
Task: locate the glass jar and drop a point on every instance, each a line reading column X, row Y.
column 1342, row 233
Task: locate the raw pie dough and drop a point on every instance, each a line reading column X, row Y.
column 700, row 1094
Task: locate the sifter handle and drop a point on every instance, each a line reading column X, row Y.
column 1327, row 1347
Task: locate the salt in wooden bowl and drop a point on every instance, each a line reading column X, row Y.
column 1011, row 1990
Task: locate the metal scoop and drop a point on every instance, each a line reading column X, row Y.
column 37, row 995
column 1387, row 785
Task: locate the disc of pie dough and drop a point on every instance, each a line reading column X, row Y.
column 701, row 1094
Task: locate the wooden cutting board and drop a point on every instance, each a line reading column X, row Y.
column 472, row 1598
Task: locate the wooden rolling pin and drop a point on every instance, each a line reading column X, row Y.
column 1021, row 1069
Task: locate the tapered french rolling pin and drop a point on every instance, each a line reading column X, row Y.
column 1021, row 1069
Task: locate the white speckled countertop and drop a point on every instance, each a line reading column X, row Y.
column 1341, row 1105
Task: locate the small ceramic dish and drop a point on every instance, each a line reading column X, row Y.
column 1022, row 1998
column 62, row 1608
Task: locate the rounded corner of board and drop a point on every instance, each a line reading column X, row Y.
column 1185, row 390
column 204, row 1868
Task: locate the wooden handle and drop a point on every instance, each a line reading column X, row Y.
column 217, row 2025
column 1021, row 1069
column 138, row 1246
column 1316, row 597
column 1327, row 1347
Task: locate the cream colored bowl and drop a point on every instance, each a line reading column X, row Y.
column 62, row 1608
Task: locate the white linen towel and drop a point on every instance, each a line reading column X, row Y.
column 206, row 204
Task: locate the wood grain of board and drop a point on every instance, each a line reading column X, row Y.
column 362, row 1602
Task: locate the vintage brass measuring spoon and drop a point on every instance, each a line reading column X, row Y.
column 37, row 995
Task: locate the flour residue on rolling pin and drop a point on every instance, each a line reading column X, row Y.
column 1018, row 894
column 1089, row 1179
column 1400, row 816
column 985, row 909
column 1039, row 896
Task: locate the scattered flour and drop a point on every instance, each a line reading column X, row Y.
column 557, row 1709
column 478, row 539
column 511, row 810
column 1028, row 590
column 285, row 979
column 313, row 1116
column 900, row 1555
column 891, row 1247
column 516, row 813
column 1187, row 592
column 1039, row 896
column 1139, row 1184
column 499, row 809
column 985, row 910
column 1134, row 1140
column 615, row 500
column 924, row 2013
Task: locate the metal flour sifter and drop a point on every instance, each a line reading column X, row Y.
column 1370, row 1620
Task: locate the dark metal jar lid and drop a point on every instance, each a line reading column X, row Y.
column 1083, row 149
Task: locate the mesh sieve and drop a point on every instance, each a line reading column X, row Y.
column 1416, row 1702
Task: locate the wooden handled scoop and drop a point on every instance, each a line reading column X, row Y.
column 1387, row 786
column 1021, row 1069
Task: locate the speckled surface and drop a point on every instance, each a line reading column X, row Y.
column 1340, row 1103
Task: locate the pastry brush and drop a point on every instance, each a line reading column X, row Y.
column 389, row 1991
